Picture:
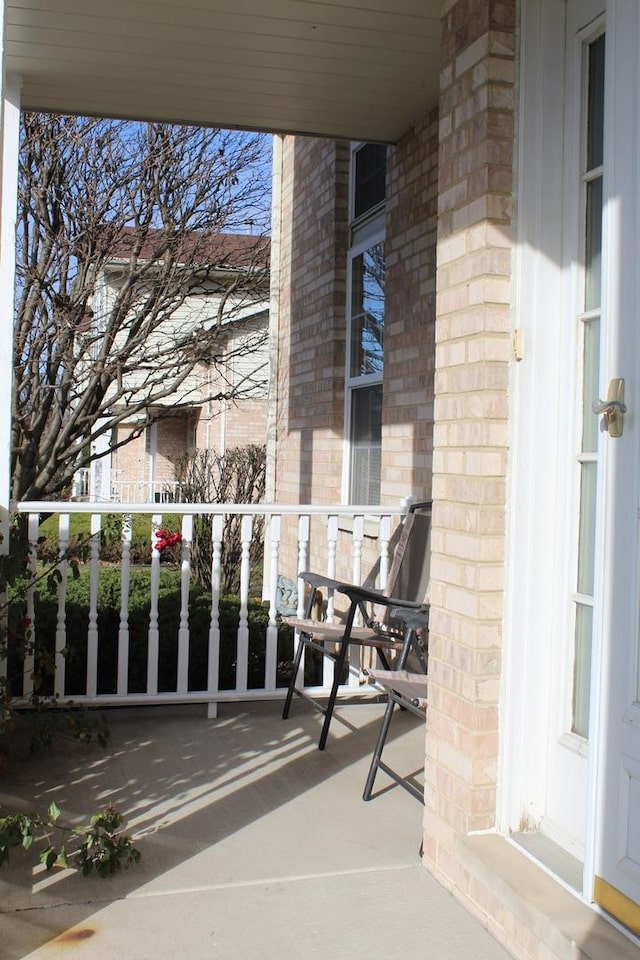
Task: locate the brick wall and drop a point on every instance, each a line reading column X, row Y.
column 171, row 445
column 245, row 423
column 228, row 424
column 129, row 461
column 471, row 434
column 311, row 300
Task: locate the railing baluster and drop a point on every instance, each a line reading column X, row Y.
column 304, row 525
column 383, row 544
column 154, row 632
column 4, row 630
column 125, row 583
column 59, row 662
column 30, row 619
column 271, row 642
column 303, row 557
column 213, row 672
column 355, row 652
column 242, row 649
column 92, row 632
column 332, row 548
column 185, row 578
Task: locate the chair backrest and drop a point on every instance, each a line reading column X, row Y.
column 409, row 574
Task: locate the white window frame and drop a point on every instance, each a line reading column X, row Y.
column 365, row 232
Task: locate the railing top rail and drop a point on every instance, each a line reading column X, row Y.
column 266, row 509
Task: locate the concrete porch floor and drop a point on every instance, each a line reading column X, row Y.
column 254, row 844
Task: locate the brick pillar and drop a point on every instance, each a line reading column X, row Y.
column 473, row 351
column 409, row 334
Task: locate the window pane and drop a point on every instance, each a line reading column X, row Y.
column 366, row 443
column 367, row 311
column 370, row 176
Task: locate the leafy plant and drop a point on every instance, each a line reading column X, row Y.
column 99, row 846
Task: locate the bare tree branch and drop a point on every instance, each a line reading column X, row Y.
column 133, row 266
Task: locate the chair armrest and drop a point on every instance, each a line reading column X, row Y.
column 415, row 619
column 316, row 580
column 366, row 594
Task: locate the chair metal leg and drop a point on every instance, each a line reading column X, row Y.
column 375, row 760
column 393, row 698
column 338, row 667
column 292, row 683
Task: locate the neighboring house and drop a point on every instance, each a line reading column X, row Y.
column 141, row 458
column 510, row 219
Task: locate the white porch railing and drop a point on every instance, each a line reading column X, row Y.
column 344, row 534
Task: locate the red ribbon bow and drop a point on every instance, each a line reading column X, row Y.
column 164, row 539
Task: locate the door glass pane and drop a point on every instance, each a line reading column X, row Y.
column 595, row 104
column 582, row 670
column 586, row 548
column 367, row 311
column 591, row 378
column 591, row 232
column 593, row 244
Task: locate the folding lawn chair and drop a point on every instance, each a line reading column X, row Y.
column 406, row 588
column 406, row 689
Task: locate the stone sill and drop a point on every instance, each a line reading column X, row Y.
column 557, row 918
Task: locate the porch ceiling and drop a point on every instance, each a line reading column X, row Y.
column 358, row 69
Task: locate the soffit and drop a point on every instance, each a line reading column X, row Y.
column 355, row 69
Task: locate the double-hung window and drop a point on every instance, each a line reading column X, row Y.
column 365, row 323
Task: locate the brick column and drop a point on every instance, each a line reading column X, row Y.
column 473, row 350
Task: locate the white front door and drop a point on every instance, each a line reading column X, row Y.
column 571, row 773
column 616, row 706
